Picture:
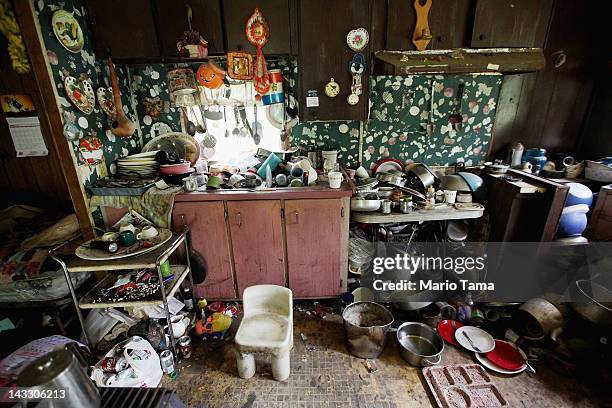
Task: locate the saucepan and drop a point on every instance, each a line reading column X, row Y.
column 419, row 344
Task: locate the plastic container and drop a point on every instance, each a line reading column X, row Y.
column 271, row 161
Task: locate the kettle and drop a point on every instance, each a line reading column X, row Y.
column 65, row 372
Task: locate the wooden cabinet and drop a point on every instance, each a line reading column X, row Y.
column 323, row 54
column 126, row 28
column 171, row 20
column 316, row 239
column 511, row 23
column 277, row 14
column 257, row 242
column 209, row 237
column 302, row 243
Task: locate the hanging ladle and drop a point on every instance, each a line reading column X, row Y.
column 190, row 127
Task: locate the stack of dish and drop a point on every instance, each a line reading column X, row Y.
column 141, row 164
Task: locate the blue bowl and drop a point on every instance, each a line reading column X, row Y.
column 578, row 194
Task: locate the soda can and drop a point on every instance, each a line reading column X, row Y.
column 167, row 361
column 114, row 364
column 109, row 379
column 185, row 346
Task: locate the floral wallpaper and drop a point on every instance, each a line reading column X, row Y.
column 400, row 109
column 84, row 64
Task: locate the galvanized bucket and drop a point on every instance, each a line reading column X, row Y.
column 366, row 325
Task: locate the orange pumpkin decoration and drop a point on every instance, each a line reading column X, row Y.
column 210, row 76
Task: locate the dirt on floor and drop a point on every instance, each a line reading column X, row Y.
column 325, row 375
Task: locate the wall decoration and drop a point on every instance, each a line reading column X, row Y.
column 121, row 126
column 90, row 148
column 9, row 27
column 357, row 67
column 67, row 31
column 258, row 33
column 357, row 39
column 81, row 93
column 153, row 107
column 332, row 88
column 210, row 76
column 16, row 104
column 106, row 102
column 240, row 65
column 191, row 44
column 71, row 130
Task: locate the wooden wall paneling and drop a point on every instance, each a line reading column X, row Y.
column 28, row 180
column 378, row 26
column 324, row 54
column 450, row 22
column 49, row 112
column 126, row 27
column 257, row 242
column 171, row 20
column 511, row 23
column 237, row 12
column 209, row 237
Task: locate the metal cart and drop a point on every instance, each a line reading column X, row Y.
column 149, row 260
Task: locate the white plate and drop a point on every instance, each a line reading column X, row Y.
column 388, row 167
column 482, row 359
column 481, row 339
column 142, row 155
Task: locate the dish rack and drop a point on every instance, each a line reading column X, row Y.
column 150, row 260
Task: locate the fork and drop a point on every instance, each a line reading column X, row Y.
column 471, row 342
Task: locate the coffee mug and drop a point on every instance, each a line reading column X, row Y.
column 235, row 180
column 450, row 196
column 110, row 236
column 127, row 238
column 214, row 182
column 127, row 227
column 281, row 180
column 180, row 324
column 361, row 172
column 335, row 179
column 147, row 232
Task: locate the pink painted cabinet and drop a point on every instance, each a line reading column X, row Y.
column 257, row 242
column 209, row 237
column 317, row 232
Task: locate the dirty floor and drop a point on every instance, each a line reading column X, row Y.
column 325, row 375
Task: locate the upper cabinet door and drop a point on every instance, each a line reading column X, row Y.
column 511, row 23
column 449, row 23
column 324, row 54
column 276, row 12
column 126, row 28
column 171, row 18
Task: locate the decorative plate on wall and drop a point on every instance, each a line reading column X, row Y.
column 81, row 93
column 357, row 39
column 68, row 31
column 106, row 102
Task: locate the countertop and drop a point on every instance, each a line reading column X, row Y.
column 320, row 191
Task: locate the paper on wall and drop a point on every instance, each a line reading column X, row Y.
column 27, row 136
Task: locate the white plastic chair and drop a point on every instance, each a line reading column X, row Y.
column 266, row 327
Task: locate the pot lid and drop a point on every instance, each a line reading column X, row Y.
column 45, row 369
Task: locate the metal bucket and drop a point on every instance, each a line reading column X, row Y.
column 366, row 325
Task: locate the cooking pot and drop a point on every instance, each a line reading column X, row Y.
column 419, row 344
column 61, row 370
column 366, row 325
column 595, row 311
column 539, row 318
column 420, row 176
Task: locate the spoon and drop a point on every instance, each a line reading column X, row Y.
column 225, row 120
column 284, row 134
column 199, row 127
column 189, row 126
column 471, row 342
column 236, row 130
column 257, row 129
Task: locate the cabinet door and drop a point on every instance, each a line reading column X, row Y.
column 324, row 54
column 511, row 23
column 127, row 28
column 257, row 242
column 316, row 233
column 171, row 18
column 276, row 12
column 209, row 237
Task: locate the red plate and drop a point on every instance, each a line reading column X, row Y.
column 506, row 356
column 447, row 331
column 388, row 159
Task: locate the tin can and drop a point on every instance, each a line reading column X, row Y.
column 109, row 379
column 114, row 364
column 275, row 94
column 185, row 346
column 167, row 361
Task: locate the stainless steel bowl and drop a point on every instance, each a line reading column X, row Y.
column 385, row 192
column 360, row 204
column 419, row 344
